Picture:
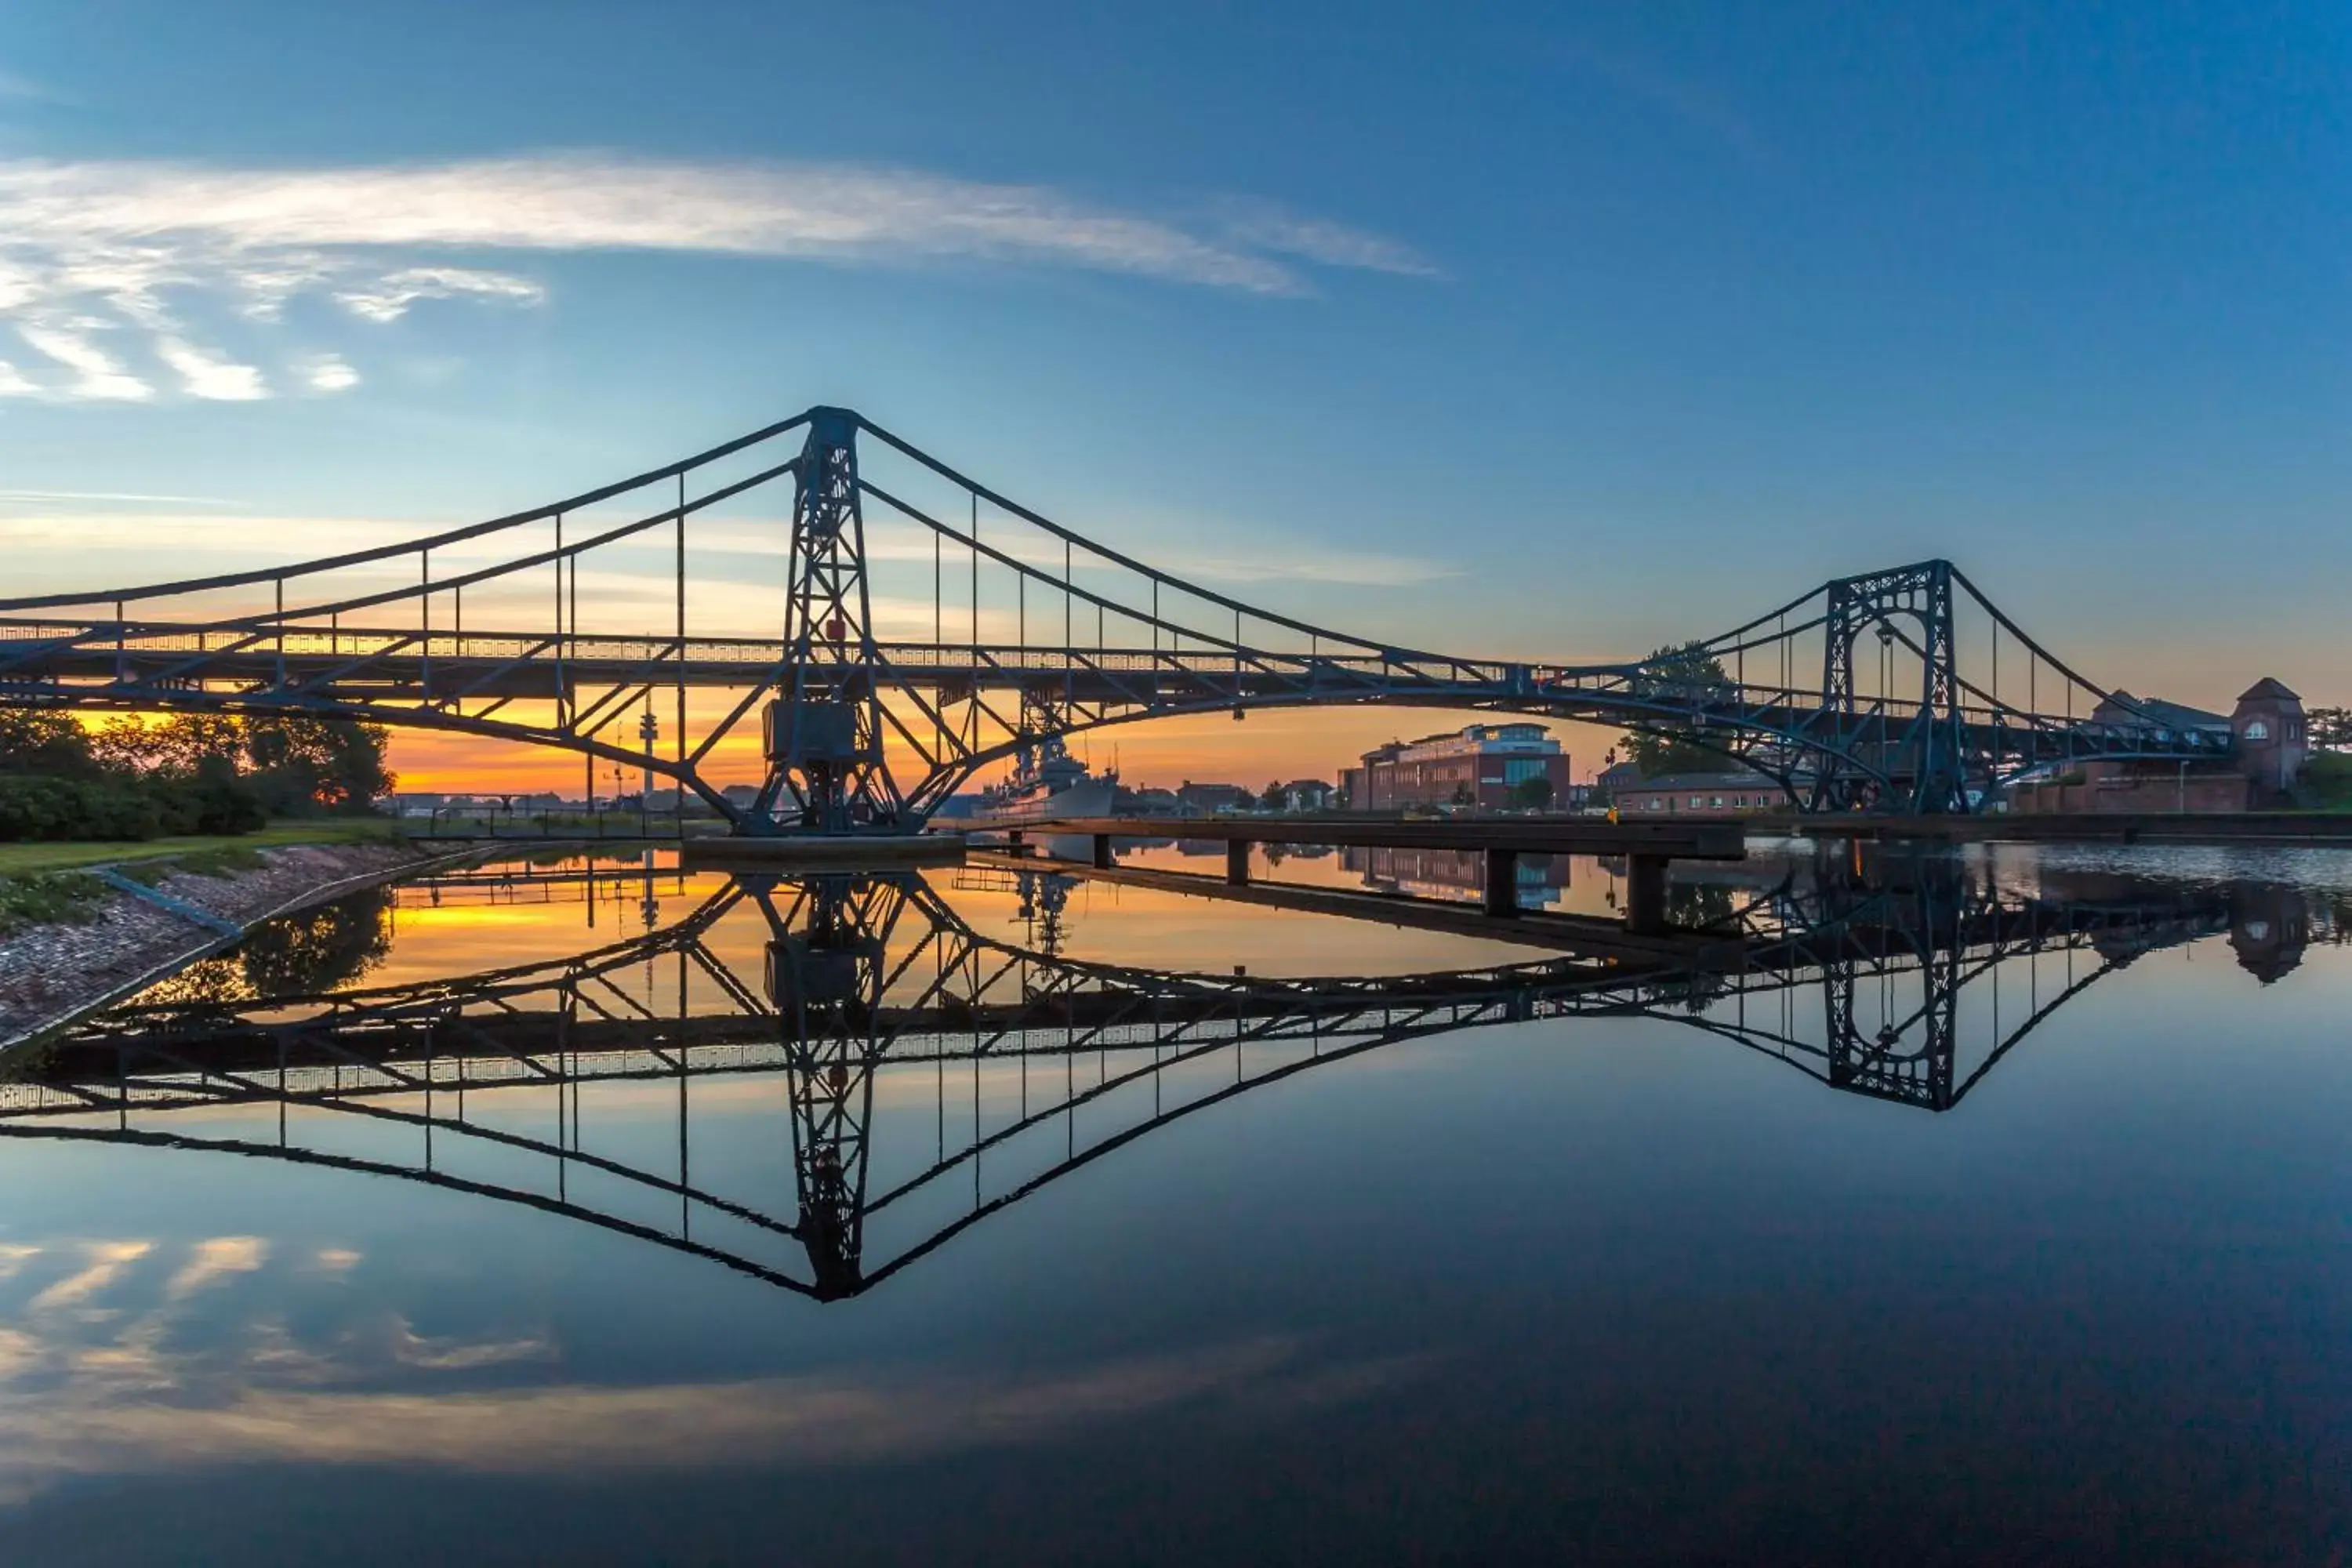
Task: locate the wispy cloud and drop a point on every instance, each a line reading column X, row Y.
column 203, row 373
column 215, row 1259
column 1267, row 227
column 1696, row 106
column 110, row 498
column 97, row 376
column 326, row 372
column 107, row 1262
column 55, row 537
column 389, row 298
column 1350, row 568
column 137, row 1393
column 91, row 246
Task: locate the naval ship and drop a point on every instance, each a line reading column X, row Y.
column 1046, row 782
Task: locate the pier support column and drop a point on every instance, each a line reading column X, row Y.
column 1104, row 859
column 1502, row 882
column 1645, row 894
column 1237, row 851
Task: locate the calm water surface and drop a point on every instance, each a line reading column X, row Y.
column 1995, row 1211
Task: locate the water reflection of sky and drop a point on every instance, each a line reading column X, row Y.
column 1609, row 1288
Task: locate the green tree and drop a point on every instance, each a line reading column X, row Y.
column 36, row 740
column 2330, row 727
column 186, row 742
column 124, row 744
column 1678, row 674
column 302, row 765
column 1534, row 793
column 188, row 773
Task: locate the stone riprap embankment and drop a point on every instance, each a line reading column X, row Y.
column 50, row 974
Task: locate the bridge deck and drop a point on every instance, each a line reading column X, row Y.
column 1522, row 836
column 103, row 662
column 2072, row 828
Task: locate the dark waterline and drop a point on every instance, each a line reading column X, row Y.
column 1997, row 1215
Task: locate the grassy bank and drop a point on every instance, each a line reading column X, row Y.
column 2328, row 779
column 70, row 899
column 18, row 860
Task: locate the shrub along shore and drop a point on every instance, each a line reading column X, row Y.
column 135, row 779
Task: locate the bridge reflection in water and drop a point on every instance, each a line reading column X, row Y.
column 932, row 1074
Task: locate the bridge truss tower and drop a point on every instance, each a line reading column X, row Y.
column 825, row 982
column 1919, row 755
column 824, row 731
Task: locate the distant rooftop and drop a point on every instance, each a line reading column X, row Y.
column 2172, row 715
column 1736, row 780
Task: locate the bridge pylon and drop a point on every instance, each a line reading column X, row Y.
column 1919, row 752
column 825, row 980
column 826, row 772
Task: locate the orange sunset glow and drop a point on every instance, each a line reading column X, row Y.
column 1265, row 744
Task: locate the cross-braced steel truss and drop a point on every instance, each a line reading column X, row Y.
column 969, row 627
column 867, row 976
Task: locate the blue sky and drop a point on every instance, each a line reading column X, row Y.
column 1546, row 331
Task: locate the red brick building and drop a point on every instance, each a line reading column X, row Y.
column 1739, row 793
column 2267, row 728
column 1443, row 873
column 1481, row 765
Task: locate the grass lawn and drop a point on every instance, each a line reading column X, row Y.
column 28, row 859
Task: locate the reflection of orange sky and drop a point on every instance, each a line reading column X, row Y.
column 1268, row 744
column 1102, row 922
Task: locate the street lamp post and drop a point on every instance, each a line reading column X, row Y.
column 648, row 729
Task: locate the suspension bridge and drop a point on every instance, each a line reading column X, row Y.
column 908, row 625
column 1008, row 1065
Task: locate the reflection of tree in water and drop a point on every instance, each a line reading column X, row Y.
column 1692, row 992
column 295, row 954
column 1697, row 906
column 2335, row 916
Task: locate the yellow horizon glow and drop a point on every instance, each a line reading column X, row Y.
column 1266, row 745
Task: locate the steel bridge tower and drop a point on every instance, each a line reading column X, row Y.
column 1922, row 753
column 824, row 731
column 825, row 981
